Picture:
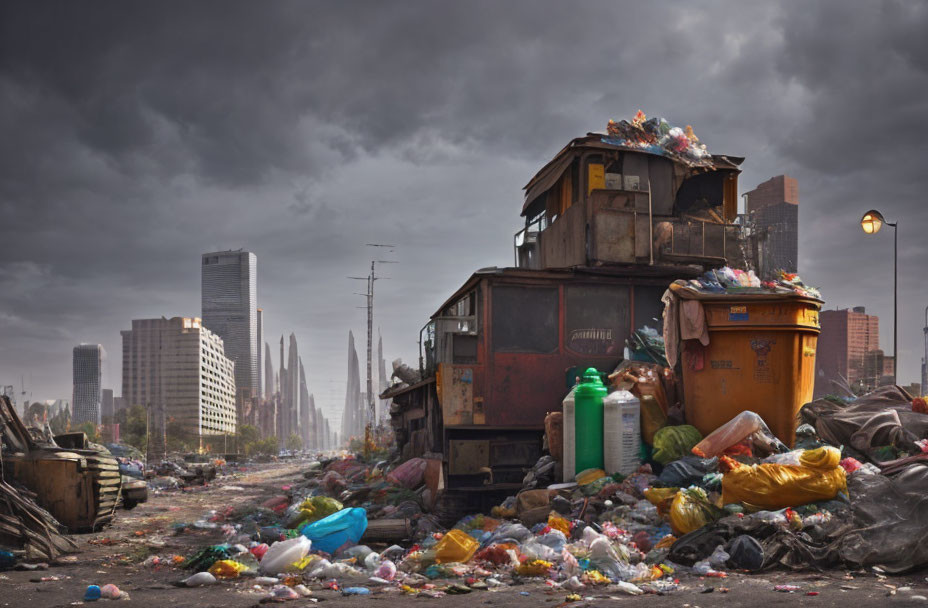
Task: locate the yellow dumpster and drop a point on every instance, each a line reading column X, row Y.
column 760, row 357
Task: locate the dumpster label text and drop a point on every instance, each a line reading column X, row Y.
column 738, row 313
column 762, row 348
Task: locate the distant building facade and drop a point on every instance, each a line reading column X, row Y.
column 849, row 349
column 108, row 405
column 178, row 369
column 87, row 399
column 229, row 310
column 259, row 349
column 773, row 210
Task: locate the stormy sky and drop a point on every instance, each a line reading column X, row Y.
column 137, row 135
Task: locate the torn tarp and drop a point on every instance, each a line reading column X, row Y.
column 881, row 418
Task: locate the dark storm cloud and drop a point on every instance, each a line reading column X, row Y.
column 138, row 135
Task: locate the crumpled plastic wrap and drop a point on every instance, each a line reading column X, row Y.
column 819, row 476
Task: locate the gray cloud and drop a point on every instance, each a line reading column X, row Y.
column 137, row 135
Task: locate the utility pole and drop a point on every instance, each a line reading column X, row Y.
column 371, row 409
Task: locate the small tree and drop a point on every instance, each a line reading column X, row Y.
column 266, row 447
column 248, row 433
column 89, row 429
column 294, row 443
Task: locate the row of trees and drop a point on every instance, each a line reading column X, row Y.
column 133, row 424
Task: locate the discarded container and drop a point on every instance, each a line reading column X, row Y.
column 621, row 432
column 588, row 433
column 745, row 426
column 283, row 553
column 347, row 525
column 455, row 546
column 761, row 354
column 569, row 448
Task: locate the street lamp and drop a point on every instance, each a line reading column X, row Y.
column 871, row 223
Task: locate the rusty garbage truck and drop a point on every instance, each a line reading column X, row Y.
column 609, row 224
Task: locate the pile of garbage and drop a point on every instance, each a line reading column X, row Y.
column 737, row 500
column 171, row 475
column 735, row 281
column 658, row 136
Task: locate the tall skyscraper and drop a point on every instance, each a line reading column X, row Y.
column 848, row 349
column 260, row 353
column 87, row 399
column 229, row 302
column 269, row 388
column 306, row 415
column 178, row 369
column 352, row 420
column 773, row 207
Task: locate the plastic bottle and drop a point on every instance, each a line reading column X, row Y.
column 589, row 421
column 621, row 432
column 569, row 409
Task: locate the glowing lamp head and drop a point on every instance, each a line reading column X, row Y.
column 872, row 221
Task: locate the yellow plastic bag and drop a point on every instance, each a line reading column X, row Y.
column 819, row 476
column 455, row 546
column 535, row 567
column 661, row 498
column 691, row 510
column 227, row 568
column 560, row 524
column 315, row 508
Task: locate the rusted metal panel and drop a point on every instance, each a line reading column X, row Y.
column 468, row 457
column 614, row 237
column 563, row 243
column 457, row 394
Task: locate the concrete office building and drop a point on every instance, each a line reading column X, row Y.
column 773, row 209
column 87, row 399
column 178, row 368
column 848, row 348
column 229, row 297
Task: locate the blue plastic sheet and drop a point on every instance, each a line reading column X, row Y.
column 330, row 533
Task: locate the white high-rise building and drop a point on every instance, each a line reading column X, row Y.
column 87, row 398
column 230, row 310
column 178, row 367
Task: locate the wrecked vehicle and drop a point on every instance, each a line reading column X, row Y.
column 610, row 222
column 76, row 481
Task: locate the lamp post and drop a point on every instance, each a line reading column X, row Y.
column 871, row 223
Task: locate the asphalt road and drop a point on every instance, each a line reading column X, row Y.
column 115, row 556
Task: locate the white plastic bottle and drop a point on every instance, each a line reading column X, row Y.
column 621, row 432
column 570, row 441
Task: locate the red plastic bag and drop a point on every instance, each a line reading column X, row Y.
column 409, row 474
